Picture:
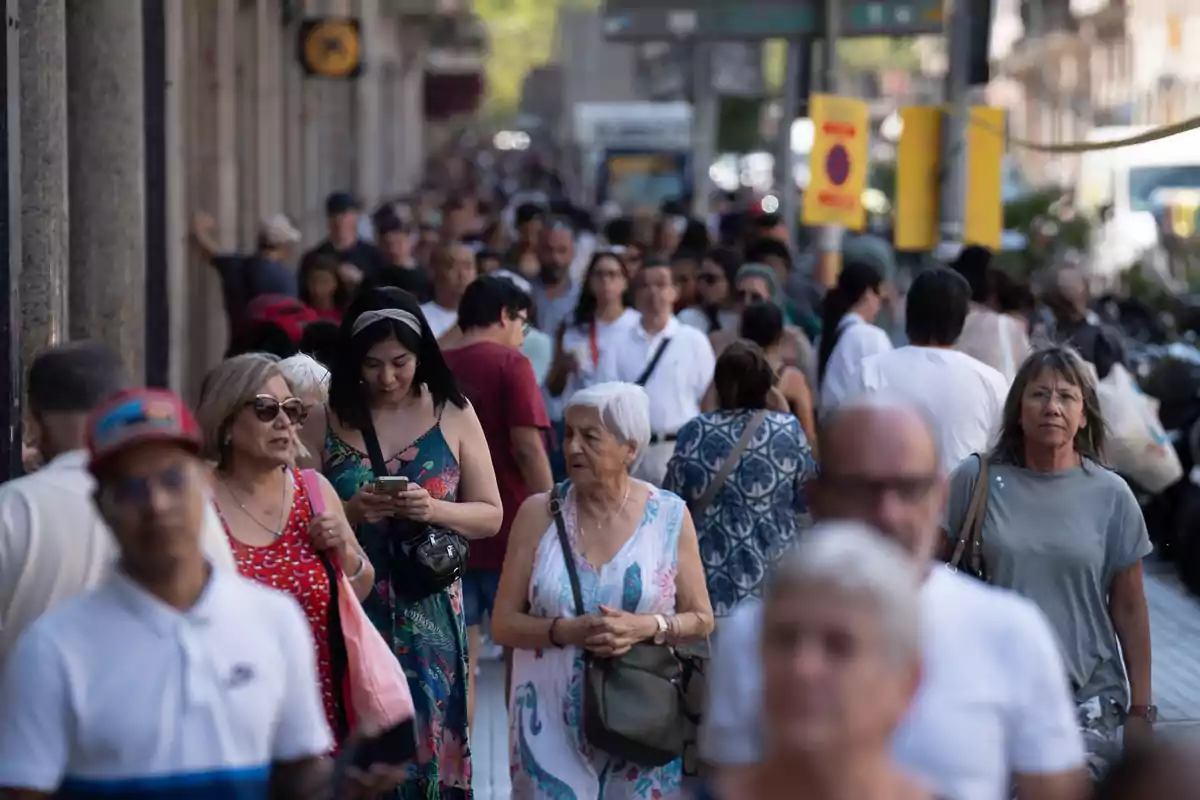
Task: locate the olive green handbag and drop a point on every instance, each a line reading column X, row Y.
column 633, row 705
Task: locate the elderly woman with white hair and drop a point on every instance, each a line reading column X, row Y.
column 841, row 655
column 633, row 549
column 309, row 380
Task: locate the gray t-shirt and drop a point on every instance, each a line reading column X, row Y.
column 1059, row 539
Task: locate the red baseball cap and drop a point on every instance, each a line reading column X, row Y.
column 136, row 416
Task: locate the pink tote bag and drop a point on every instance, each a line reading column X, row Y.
column 378, row 691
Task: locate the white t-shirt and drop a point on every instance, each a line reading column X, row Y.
column 994, row 699
column 54, row 544
column 116, row 694
column 577, row 340
column 962, row 397
column 440, row 319
column 859, row 340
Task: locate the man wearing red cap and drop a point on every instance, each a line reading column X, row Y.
column 171, row 678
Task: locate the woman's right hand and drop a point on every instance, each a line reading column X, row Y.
column 575, row 631
column 369, row 506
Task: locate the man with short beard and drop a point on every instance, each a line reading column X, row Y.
column 554, row 295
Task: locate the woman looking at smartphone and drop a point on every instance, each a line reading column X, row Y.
column 391, row 392
column 250, row 417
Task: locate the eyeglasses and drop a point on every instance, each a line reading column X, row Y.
column 267, row 408
column 137, row 491
column 909, row 488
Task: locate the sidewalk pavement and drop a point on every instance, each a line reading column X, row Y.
column 1175, row 630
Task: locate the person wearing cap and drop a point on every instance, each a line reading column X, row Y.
column 247, row 276
column 362, row 259
column 54, row 543
column 170, row 678
column 401, row 268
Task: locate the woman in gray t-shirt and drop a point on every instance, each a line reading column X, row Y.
column 1064, row 531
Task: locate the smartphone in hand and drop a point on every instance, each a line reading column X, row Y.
column 394, row 747
column 391, row 484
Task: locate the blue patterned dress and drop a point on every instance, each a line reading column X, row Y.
column 428, row 636
column 549, row 757
column 759, row 510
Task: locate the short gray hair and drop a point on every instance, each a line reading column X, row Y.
column 306, row 375
column 624, row 410
column 227, row 388
column 855, row 558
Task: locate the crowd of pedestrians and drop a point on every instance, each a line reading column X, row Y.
column 698, row 505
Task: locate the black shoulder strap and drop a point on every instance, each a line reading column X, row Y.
column 556, row 510
column 371, row 440
column 649, row 370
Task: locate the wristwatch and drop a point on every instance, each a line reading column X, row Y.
column 660, row 635
column 1148, row 713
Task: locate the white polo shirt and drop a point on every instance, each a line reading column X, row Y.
column 859, row 339
column 680, row 379
column 116, row 694
column 994, row 699
column 440, row 319
column 54, row 544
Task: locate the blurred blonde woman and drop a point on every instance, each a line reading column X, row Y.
column 841, row 649
column 250, row 416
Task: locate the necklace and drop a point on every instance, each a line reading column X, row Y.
column 601, row 525
column 275, row 532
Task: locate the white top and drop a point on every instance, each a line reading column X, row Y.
column 577, row 340
column 115, row 693
column 54, row 544
column 680, row 379
column 996, row 339
column 694, row 316
column 859, row 339
column 962, row 397
column 994, row 699
column 440, row 319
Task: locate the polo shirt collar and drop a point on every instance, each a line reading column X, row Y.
column 72, row 460
column 668, row 330
column 162, row 618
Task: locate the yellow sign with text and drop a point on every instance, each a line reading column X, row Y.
column 838, row 166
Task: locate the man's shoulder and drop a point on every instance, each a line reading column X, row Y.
column 996, row 614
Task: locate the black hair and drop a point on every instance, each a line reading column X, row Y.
column 972, row 263
column 762, row 323
column 936, row 308
column 263, row 337
column 346, row 394
column 729, row 263
column 743, row 377
column 619, row 232
column 767, row 220
column 75, row 378
column 488, row 255
column 488, row 300
column 695, row 237
column 687, row 254
column 759, row 251
column 855, row 280
column 527, row 212
column 1012, row 296
column 319, row 340
column 325, row 263
column 585, row 307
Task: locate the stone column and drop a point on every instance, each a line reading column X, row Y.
column 107, row 175
column 44, row 244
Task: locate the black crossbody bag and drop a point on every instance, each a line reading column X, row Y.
column 649, row 370
column 423, row 561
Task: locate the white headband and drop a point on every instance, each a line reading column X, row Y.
column 398, row 314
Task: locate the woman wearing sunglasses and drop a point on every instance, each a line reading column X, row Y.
column 250, row 418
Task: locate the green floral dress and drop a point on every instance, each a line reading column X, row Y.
column 428, row 636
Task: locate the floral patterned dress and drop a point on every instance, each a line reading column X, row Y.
column 549, row 759
column 290, row 564
column 428, row 636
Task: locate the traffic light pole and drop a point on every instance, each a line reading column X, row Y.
column 829, row 261
column 951, row 207
column 704, row 125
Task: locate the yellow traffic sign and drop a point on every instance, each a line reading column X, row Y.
column 917, row 190
column 983, row 211
column 331, row 47
column 838, row 164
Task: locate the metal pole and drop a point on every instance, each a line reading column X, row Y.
column 829, row 263
column 10, row 249
column 704, row 124
column 158, row 305
column 954, row 124
column 785, row 160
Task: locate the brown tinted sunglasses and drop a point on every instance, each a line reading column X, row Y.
column 267, row 408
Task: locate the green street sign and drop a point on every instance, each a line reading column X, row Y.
column 728, row 20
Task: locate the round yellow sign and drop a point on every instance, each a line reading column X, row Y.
column 333, row 49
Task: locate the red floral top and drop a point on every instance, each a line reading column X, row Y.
column 290, row 564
